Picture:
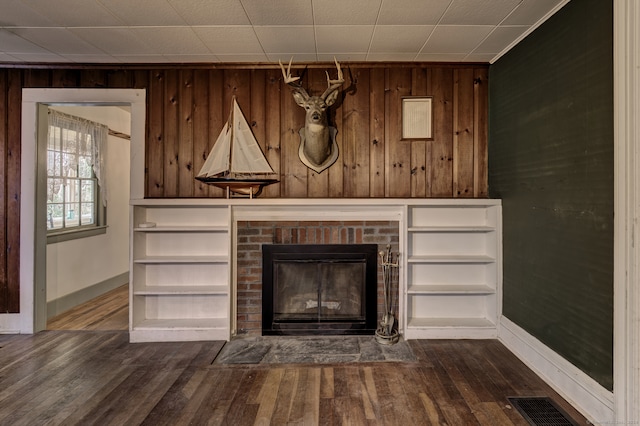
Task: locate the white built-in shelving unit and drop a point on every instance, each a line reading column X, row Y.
column 182, row 269
column 180, row 273
column 453, row 270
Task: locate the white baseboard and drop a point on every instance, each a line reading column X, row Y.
column 63, row 304
column 584, row 393
column 9, row 323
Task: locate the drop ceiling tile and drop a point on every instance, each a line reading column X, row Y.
column 530, row 12
column 144, row 12
column 456, row 38
column 340, row 12
column 474, row 12
column 480, row 57
column 73, row 13
column 440, row 57
column 16, row 14
column 499, row 39
column 244, row 58
column 259, row 30
column 6, row 58
column 185, row 59
column 411, row 12
column 12, row 43
column 399, row 39
column 92, row 59
column 140, row 59
column 207, row 12
column 297, row 57
column 342, row 39
column 40, row 57
column 114, row 40
column 229, row 40
column 171, row 40
column 342, row 57
column 280, row 12
column 287, row 39
column 58, row 40
column 391, row 57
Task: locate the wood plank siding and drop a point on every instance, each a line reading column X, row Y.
column 187, row 105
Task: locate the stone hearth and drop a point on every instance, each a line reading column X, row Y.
column 311, row 350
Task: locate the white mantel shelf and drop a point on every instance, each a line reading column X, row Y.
column 288, row 202
column 450, row 273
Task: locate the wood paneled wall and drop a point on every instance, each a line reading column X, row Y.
column 187, row 106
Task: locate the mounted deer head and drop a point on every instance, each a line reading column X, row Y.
column 318, row 148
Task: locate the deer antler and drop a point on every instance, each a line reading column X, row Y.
column 287, row 75
column 333, row 84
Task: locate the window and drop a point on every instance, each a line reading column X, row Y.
column 75, row 193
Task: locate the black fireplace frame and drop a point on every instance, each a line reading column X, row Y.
column 367, row 253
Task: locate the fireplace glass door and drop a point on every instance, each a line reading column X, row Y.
column 319, row 289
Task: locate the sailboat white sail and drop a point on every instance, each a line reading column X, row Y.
column 236, row 161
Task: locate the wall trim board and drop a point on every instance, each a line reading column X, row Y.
column 626, row 273
column 64, row 303
column 10, row 324
column 584, row 393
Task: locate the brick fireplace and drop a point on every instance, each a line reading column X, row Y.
column 252, row 234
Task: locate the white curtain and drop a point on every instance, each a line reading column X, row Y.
column 98, row 133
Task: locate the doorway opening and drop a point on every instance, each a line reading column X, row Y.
column 33, row 236
column 87, row 275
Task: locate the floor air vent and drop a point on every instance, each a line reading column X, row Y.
column 541, row 411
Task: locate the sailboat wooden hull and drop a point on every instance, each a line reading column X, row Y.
column 251, row 187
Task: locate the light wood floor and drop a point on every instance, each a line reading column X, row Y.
column 107, row 312
column 90, row 377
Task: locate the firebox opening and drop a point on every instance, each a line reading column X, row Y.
column 319, row 289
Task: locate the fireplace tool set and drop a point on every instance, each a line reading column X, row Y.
column 387, row 333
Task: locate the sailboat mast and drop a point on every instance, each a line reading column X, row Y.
column 231, row 123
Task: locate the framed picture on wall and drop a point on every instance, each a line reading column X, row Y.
column 417, row 118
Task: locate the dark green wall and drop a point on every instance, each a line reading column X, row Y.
column 551, row 162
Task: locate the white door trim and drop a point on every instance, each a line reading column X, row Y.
column 29, row 321
column 626, row 344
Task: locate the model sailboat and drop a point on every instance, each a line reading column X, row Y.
column 236, row 161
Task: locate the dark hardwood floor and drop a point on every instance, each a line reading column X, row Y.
column 96, row 377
